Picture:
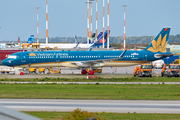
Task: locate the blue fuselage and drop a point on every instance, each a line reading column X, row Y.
column 66, row 58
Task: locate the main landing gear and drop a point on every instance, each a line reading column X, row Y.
column 84, row 72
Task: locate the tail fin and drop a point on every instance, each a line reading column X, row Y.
column 168, row 41
column 18, row 40
column 76, row 39
column 30, row 40
column 91, row 40
column 160, row 42
column 100, row 41
column 100, row 35
column 93, row 35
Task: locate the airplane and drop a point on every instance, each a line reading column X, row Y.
column 94, row 43
column 30, row 40
column 99, row 42
column 92, row 59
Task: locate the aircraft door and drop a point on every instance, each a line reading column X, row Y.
column 99, row 56
column 57, row 58
column 23, row 57
column 144, row 56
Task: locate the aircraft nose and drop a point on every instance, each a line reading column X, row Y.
column 5, row 62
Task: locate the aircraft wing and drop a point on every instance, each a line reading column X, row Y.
column 91, row 62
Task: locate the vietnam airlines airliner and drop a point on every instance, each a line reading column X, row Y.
column 90, row 59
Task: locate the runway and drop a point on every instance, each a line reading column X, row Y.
column 117, row 106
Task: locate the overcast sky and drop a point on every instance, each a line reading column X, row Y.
column 69, row 17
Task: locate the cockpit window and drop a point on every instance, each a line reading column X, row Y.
column 12, row 56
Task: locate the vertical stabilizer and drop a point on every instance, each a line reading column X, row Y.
column 30, row 40
column 160, row 42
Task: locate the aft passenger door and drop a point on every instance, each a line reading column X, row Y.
column 23, row 57
column 99, row 56
column 57, row 58
column 144, row 56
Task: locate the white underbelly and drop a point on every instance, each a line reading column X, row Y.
column 70, row 65
column 117, row 64
column 55, row 64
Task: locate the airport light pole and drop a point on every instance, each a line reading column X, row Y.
column 87, row 21
column 108, row 26
column 37, row 24
column 89, row 2
column 96, row 17
column 46, row 22
column 124, row 28
column 91, row 18
column 103, row 23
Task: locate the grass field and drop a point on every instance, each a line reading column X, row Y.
column 97, row 91
column 109, row 116
column 89, row 91
column 75, row 78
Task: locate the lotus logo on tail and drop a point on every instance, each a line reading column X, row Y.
column 160, row 45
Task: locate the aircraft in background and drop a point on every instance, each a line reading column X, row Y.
column 92, row 43
column 99, row 42
column 30, row 40
column 92, row 59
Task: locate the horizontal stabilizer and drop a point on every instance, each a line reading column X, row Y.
column 163, row 55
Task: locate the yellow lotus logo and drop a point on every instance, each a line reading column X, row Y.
column 160, row 45
column 32, row 54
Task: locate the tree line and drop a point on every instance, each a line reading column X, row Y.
column 129, row 40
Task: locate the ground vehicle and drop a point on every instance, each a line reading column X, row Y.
column 158, row 64
column 143, row 70
column 32, row 70
column 6, row 70
column 42, row 70
column 177, row 61
column 172, row 70
column 136, row 70
column 54, row 71
column 96, row 70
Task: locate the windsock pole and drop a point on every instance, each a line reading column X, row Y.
column 46, row 21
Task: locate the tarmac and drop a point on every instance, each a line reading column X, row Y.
column 107, row 72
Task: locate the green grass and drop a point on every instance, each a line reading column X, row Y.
column 127, row 78
column 89, row 91
column 109, row 116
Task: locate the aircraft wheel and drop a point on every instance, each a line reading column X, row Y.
column 162, row 74
column 91, row 72
column 83, row 72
